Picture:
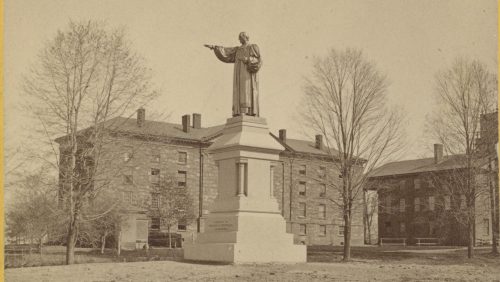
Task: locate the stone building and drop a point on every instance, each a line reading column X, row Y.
column 141, row 152
column 302, row 179
column 421, row 201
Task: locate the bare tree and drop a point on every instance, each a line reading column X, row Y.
column 345, row 101
column 104, row 219
column 14, row 160
column 173, row 204
column 494, row 203
column 464, row 92
column 34, row 215
column 370, row 213
column 85, row 75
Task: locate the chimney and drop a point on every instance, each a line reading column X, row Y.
column 282, row 134
column 319, row 142
column 141, row 116
column 197, row 121
column 186, row 123
column 438, row 153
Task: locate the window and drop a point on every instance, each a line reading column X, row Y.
column 430, row 183
column 322, row 172
column 388, row 203
column 322, row 211
column 486, row 226
column 432, row 228
column 182, row 157
column 302, row 188
column 182, row 225
column 128, row 178
column 402, row 227
column 155, row 187
column 463, row 203
column 322, row 230
column 445, row 187
column 447, row 202
column 302, row 209
column 181, row 178
column 341, row 230
column 154, row 175
column 416, row 183
column 340, row 223
column 388, row 227
column 302, row 169
column 155, row 158
column 302, row 229
column 322, row 192
column 155, row 200
column 431, row 203
column 128, row 197
column 417, row 204
column 155, row 223
column 402, row 205
column 402, row 185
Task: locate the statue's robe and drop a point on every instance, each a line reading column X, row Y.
column 247, row 62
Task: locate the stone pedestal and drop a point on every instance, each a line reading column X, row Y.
column 245, row 224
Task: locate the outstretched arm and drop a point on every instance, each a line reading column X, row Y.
column 211, row 47
column 227, row 55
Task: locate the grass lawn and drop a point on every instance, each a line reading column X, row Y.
column 55, row 255
column 405, row 255
column 324, row 264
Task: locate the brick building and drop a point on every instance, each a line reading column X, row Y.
column 419, row 200
column 141, row 152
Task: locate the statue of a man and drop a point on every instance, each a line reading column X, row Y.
column 247, row 62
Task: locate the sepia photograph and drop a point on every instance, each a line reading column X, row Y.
column 198, row 140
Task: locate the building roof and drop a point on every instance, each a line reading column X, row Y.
column 165, row 129
column 206, row 134
column 303, row 146
column 420, row 166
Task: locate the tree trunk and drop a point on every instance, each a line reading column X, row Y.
column 103, row 242
column 493, row 201
column 347, row 238
column 40, row 246
column 494, row 239
column 30, row 242
column 119, row 243
column 74, row 207
column 369, row 233
column 169, row 237
column 365, row 219
column 470, row 245
column 70, row 243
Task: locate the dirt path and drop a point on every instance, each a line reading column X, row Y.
column 178, row 271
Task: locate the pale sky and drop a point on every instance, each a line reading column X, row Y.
column 408, row 40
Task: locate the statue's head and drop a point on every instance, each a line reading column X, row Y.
column 243, row 37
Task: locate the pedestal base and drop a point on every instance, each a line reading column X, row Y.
column 244, row 224
column 245, row 253
column 260, row 238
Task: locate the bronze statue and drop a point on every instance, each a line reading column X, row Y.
column 247, row 62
